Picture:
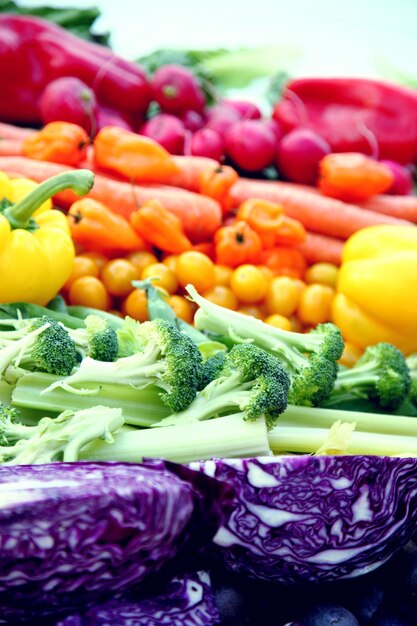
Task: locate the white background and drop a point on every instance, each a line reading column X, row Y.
column 356, row 37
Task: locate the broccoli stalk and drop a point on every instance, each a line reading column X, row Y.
column 381, row 375
column 15, row 351
column 412, row 367
column 251, row 382
column 55, row 439
column 304, row 429
column 141, row 407
column 168, row 359
column 309, row 358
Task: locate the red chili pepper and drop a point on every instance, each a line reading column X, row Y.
column 37, row 52
column 354, row 115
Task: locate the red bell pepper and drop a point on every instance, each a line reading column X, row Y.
column 354, row 115
column 33, row 52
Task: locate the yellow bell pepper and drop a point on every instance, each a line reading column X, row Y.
column 377, row 286
column 36, row 253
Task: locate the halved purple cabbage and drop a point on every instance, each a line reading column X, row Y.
column 71, row 533
column 305, row 518
column 184, row 601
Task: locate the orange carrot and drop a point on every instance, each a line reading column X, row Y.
column 321, row 249
column 316, row 212
column 402, row 207
column 200, row 216
column 9, row 131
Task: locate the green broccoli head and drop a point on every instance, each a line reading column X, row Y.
column 102, row 339
column 412, row 366
column 53, row 350
column 315, row 382
column 329, row 339
column 381, row 374
column 8, row 417
column 181, row 373
column 211, row 368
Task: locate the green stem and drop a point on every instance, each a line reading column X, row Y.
column 19, row 214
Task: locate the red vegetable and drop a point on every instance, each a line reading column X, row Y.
column 37, row 52
column 176, row 90
column 167, row 130
column 207, row 143
column 299, row 154
column 251, row 145
column 354, row 115
column 69, row 99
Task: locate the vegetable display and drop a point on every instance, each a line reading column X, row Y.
column 73, row 533
column 298, row 518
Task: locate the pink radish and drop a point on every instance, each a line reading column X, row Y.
column 167, row 130
column 206, row 142
column 298, row 155
column 403, row 179
column 192, row 120
column 247, row 110
column 176, row 90
column 69, row 99
column 251, row 145
column 221, row 118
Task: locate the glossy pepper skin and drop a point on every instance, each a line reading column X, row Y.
column 36, row 254
column 33, row 52
column 376, row 288
column 354, row 115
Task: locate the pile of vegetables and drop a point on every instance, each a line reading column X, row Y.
column 208, row 370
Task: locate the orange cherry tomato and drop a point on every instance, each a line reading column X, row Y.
column 249, row 283
column 182, row 308
column 89, row 291
column 141, row 259
column 163, row 275
column 171, row 261
column 117, row 276
column 99, row 259
column 82, row 266
column 136, row 305
column 283, row 296
column 278, row 321
column 252, row 309
column 223, row 296
column 197, row 269
column 222, row 275
column 315, row 304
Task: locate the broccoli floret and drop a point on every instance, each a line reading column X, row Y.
column 380, row 375
column 168, row 359
column 309, row 358
column 44, row 345
column 55, row 439
column 212, row 368
column 129, row 341
column 251, row 382
column 412, row 367
column 97, row 340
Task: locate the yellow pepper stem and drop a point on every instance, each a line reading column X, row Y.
column 19, row 214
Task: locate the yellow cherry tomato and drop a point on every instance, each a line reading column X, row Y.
column 252, row 309
column 117, row 276
column 323, row 274
column 99, row 259
column 163, row 275
column 283, row 296
column 223, row 296
column 315, row 304
column 278, row 321
column 197, row 269
column 222, row 275
column 141, row 259
column 182, row 308
column 171, row 262
column 136, row 305
column 89, row 291
column 82, row 266
column 249, row 283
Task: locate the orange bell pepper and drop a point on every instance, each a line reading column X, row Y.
column 352, row 177
column 59, row 142
column 216, row 183
column 237, row 244
column 96, row 227
column 132, row 155
column 160, row 228
column 261, row 215
column 284, row 261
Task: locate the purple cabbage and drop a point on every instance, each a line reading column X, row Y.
column 184, row 601
column 305, row 518
column 71, row 533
